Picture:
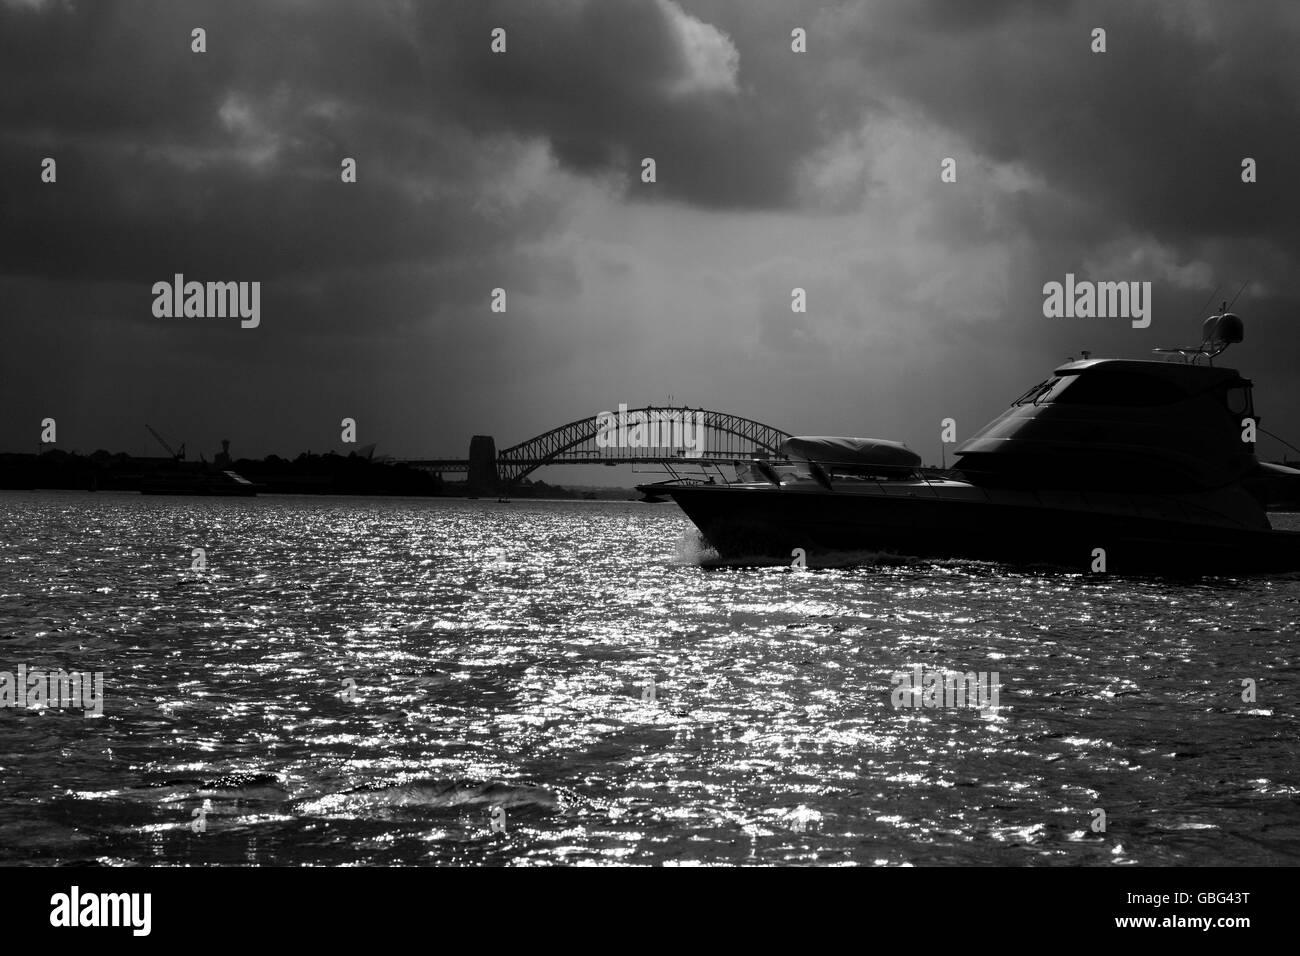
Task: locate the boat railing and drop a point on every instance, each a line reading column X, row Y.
column 694, row 471
column 764, row 469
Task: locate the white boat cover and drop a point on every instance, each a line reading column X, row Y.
column 850, row 451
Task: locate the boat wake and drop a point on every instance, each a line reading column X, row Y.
column 693, row 549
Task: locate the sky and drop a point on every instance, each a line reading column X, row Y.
column 522, row 170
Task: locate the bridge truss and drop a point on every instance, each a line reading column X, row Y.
column 725, row 437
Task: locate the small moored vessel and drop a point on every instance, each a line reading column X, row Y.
column 227, row 483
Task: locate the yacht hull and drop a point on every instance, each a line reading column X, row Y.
column 760, row 523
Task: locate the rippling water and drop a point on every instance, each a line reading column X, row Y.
column 365, row 681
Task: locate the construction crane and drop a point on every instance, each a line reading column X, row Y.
column 176, row 455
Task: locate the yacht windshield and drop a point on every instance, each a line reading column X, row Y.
column 1040, row 393
column 1104, row 386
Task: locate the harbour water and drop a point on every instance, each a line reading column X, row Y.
column 431, row 681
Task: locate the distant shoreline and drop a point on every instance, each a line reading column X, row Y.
column 306, row 475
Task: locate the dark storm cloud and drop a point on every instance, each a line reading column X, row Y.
column 225, row 162
column 229, row 161
column 1151, row 134
column 113, row 89
column 609, row 83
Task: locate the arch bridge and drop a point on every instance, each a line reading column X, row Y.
column 650, row 434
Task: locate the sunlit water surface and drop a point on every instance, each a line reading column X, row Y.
column 366, row 681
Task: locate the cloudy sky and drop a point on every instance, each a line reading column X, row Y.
column 521, row 170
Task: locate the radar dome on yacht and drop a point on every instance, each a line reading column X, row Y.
column 1217, row 333
column 1220, row 331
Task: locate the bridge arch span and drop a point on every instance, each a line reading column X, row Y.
column 725, row 437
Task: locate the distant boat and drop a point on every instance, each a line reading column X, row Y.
column 224, row 483
column 1107, row 465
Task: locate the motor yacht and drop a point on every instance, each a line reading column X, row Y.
column 1107, row 465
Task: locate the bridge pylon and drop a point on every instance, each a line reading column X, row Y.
column 484, row 478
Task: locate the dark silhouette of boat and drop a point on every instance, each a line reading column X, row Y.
column 227, row 483
column 1107, row 465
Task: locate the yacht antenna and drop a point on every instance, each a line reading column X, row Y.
column 1235, row 297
